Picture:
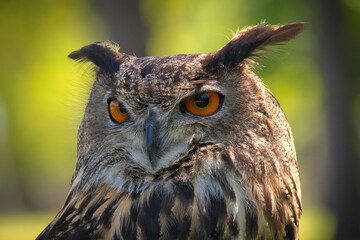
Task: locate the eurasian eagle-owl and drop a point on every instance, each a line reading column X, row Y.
column 189, row 146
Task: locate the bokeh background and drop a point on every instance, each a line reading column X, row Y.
column 43, row 94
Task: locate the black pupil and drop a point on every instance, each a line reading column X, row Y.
column 122, row 108
column 202, row 100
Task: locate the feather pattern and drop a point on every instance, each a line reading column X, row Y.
column 211, row 204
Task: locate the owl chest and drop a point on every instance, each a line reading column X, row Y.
column 200, row 209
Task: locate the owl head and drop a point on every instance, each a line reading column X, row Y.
column 145, row 115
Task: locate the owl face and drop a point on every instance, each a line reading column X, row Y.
column 156, row 108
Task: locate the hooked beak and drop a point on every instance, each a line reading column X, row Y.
column 151, row 140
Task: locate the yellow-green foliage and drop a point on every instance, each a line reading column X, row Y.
column 41, row 97
column 25, row 225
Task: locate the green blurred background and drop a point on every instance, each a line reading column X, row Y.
column 43, row 94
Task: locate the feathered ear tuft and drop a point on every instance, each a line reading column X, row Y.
column 245, row 43
column 105, row 55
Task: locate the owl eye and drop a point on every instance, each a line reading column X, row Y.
column 203, row 104
column 118, row 112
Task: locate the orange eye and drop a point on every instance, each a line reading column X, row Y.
column 203, row 104
column 117, row 111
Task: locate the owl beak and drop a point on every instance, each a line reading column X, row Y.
column 151, row 140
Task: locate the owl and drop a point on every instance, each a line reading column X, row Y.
column 189, row 146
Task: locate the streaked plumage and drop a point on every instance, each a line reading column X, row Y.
column 229, row 175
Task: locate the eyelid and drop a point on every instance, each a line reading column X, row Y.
column 209, row 87
column 109, row 95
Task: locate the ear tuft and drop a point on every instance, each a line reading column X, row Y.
column 245, row 43
column 105, row 55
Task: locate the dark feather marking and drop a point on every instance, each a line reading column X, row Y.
column 290, row 232
column 49, row 232
column 213, row 218
column 70, row 230
column 179, row 228
column 167, row 204
column 174, row 226
column 83, row 232
column 69, row 222
column 262, row 109
column 106, row 216
column 103, row 55
column 226, row 158
column 146, row 70
column 219, row 175
column 59, row 225
column 148, row 218
column 200, row 234
column 69, row 198
column 233, row 226
column 89, row 196
column 128, row 228
column 184, row 191
column 135, row 195
column 117, row 237
column 89, row 213
column 251, row 219
column 126, row 86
